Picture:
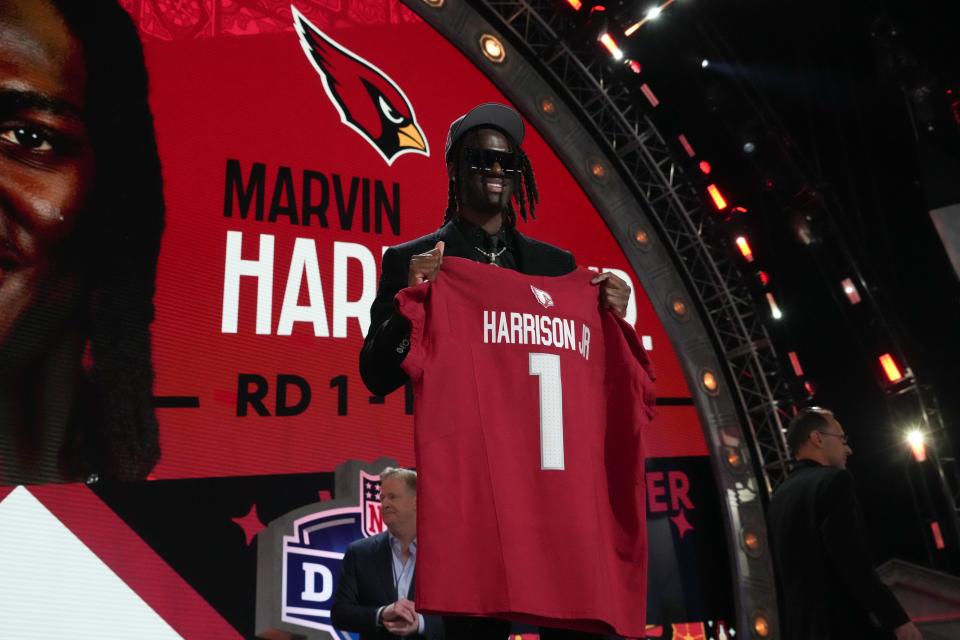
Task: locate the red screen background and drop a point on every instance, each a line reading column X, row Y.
column 256, row 98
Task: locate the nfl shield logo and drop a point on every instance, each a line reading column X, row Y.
column 542, row 297
column 370, row 504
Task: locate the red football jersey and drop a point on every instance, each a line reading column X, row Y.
column 530, row 403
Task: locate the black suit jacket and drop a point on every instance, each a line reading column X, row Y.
column 828, row 585
column 387, row 341
column 366, row 584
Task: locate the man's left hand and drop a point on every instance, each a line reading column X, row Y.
column 614, row 293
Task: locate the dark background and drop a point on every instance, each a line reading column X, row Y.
column 849, row 107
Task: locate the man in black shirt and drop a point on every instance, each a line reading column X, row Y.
column 488, row 173
column 828, row 586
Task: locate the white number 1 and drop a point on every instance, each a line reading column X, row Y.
column 546, row 366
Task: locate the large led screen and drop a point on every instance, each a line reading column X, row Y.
column 196, row 377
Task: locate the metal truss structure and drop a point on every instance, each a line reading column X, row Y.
column 647, row 163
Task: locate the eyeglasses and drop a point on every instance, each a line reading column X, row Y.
column 483, row 160
column 842, row 436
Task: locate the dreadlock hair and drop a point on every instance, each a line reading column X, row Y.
column 116, row 433
column 525, row 194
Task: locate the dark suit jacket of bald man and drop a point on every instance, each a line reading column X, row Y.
column 366, row 584
column 829, row 588
column 387, row 341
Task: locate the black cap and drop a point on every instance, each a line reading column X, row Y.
column 488, row 114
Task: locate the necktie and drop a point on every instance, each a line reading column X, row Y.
column 492, row 247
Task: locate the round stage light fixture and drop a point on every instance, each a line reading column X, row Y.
column 642, row 238
column 598, row 170
column 761, row 625
column 751, row 542
column 548, row 106
column 704, row 63
column 749, row 147
column 678, row 307
column 709, row 381
column 492, row 48
column 733, row 458
column 436, row 4
column 653, row 13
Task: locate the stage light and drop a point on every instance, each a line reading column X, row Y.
column 436, row 4
column 795, row 363
column 598, row 170
column 607, row 41
column 704, row 63
column 651, row 14
column 761, row 626
column 764, row 277
column 744, row 247
column 851, row 290
column 576, row 4
column 738, row 210
column 705, row 167
column 709, row 381
column 810, row 388
column 641, row 237
column 751, row 542
column 635, row 66
column 492, row 48
column 686, row 145
column 937, row 535
column 916, row 440
column 648, row 94
column 733, row 458
column 548, row 106
column 775, row 312
column 718, row 200
column 679, row 307
column 749, row 147
column 890, row 368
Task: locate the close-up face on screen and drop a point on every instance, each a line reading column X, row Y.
column 195, row 202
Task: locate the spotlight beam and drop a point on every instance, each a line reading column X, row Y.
column 652, row 14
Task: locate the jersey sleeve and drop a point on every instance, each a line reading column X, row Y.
column 412, row 305
column 629, row 345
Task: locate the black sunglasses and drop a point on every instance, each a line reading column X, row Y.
column 483, row 160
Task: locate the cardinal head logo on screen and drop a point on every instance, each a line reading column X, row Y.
column 367, row 99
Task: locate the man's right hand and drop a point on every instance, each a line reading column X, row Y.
column 402, row 609
column 908, row 631
column 424, row 267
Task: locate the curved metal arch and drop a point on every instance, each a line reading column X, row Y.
column 625, row 167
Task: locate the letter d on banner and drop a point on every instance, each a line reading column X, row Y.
column 311, row 572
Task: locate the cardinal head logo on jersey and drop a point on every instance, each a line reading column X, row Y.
column 367, row 99
column 542, row 297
